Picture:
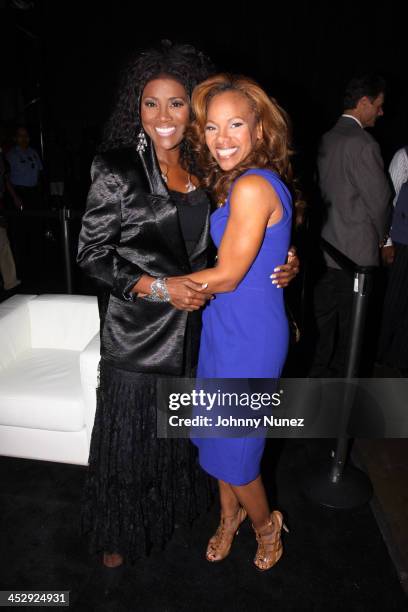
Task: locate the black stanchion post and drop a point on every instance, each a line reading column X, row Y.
column 65, row 217
column 362, row 288
column 343, row 486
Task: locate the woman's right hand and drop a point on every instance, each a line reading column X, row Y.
column 186, row 294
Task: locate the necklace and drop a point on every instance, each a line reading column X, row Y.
column 189, row 185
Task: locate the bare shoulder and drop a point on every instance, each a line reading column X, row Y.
column 254, row 189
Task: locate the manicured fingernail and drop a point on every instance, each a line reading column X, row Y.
column 272, row 276
column 276, row 269
column 204, row 285
column 275, row 282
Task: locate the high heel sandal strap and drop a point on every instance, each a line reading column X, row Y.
column 275, row 516
column 218, row 539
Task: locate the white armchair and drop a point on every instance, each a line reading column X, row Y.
column 48, row 374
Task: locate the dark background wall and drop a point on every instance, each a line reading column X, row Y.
column 301, row 52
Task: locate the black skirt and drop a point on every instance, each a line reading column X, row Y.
column 138, row 486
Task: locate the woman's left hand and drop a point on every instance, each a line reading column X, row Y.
column 285, row 273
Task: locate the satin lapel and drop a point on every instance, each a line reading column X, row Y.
column 163, row 208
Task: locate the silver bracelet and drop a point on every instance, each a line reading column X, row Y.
column 159, row 291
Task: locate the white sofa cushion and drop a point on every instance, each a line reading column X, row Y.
column 63, row 321
column 15, row 333
column 42, row 390
column 14, row 301
column 60, row 446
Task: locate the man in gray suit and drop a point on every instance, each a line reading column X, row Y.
column 357, row 196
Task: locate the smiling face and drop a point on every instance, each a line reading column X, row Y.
column 165, row 112
column 231, row 129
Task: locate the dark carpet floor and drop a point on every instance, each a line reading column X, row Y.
column 333, row 560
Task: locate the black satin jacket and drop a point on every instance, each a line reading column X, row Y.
column 131, row 227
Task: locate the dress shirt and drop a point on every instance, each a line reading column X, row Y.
column 399, row 175
column 355, row 119
column 25, row 166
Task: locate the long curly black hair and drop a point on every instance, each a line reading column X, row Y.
column 180, row 61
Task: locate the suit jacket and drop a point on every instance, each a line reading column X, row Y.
column 356, row 191
column 131, row 227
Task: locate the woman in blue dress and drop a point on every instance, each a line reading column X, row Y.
column 241, row 137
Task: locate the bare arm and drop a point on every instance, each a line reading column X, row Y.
column 254, row 205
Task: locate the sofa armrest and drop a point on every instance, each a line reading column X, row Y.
column 15, row 331
column 88, row 364
column 63, row 321
column 14, row 302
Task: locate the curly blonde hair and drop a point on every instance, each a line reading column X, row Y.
column 272, row 151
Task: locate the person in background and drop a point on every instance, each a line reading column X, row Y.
column 25, row 186
column 393, row 344
column 25, row 170
column 7, row 265
column 356, row 193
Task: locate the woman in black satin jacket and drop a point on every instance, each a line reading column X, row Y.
column 146, row 219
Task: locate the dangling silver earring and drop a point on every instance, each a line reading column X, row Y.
column 142, row 142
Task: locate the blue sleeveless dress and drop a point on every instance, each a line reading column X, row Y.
column 245, row 334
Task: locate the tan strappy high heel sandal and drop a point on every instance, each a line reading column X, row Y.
column 269, row 542
column 220, row 544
